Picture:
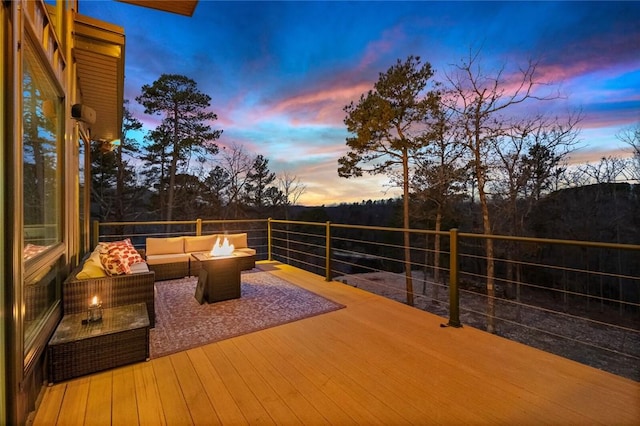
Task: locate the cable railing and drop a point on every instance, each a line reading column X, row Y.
column 580, row 300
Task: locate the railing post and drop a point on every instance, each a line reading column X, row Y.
column 454, row 294
column 269, row 258
column 327, row 273
column 96, row 234
column 198, row 226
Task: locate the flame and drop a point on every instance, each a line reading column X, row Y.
column 224, row 249
column 94, row 301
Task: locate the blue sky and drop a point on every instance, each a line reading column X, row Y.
column 280, row 73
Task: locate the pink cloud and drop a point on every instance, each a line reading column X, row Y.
column 595, row 155
column 377, row 49
column 323, row 106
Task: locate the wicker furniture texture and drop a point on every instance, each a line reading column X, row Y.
column 37, row 298
column 113, row 291
column 171, row 257
column 222, row 275
column 120, row 338
column 170, row 271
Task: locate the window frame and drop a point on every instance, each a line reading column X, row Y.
column 53, row 258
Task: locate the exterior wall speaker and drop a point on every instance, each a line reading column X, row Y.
column 83, row 113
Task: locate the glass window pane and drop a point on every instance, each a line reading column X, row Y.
column 42, row 109
column 39, row 295
column 42, row 140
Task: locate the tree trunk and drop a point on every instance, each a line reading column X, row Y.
column 172, row 172
column 407, row 234
column 436, row 257
column 119, row 213
column 486, row 223
column 425, row 268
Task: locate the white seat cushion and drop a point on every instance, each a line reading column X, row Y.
column 139, row 268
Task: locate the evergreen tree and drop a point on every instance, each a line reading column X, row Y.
column 216, row 186
column 183, row 132
column 127, row 192
column 259, row 178
column 387, row 136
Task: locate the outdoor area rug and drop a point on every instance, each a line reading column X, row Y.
column 182, row 323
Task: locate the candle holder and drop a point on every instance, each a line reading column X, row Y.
column 95, row 312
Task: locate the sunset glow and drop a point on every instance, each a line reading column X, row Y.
column 280, row 73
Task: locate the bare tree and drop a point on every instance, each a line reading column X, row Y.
column 236, row 164
column 631, row 137
column 483, row 105
column 438, row 182
column 291, row 189
column 607, row 170
column 528, row 158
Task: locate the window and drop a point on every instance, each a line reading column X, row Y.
column 42, row 143
column 42, row 107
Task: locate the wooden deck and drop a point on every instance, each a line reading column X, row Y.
column 374, row 362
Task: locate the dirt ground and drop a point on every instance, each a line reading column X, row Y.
column 537, row 320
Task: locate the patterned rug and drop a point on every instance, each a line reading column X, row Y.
column 182, row 323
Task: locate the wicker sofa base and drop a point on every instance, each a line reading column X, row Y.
column 172, row 257
column 113, row 291
column 170, row 271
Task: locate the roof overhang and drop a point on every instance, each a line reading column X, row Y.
column 181, row 7
column 99, row 59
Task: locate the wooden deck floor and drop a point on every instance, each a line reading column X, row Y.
column 375, row 362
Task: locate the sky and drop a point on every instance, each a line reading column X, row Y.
column 280, row 73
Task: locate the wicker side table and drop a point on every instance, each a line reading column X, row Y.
column 76, row 349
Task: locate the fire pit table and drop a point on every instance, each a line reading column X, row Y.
column 220, row 276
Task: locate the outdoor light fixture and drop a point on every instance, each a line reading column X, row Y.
column 108, row 146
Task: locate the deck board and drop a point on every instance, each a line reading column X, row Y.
column 99, row 399
column 231, row 375
column 226, row 408
column 405, row 389
column 375, row 362
column 48, row 413
column 124, row 396
column 150, row 410
column 74, row 404
column 300, row 408
column 175, row 408
column 192, row 389
column 263, row 386
column 311, row 404
column 295, row 373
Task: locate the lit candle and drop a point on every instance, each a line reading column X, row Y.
column 95, row 310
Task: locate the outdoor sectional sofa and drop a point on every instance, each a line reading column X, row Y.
column 88, row 280
column 172, row 258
